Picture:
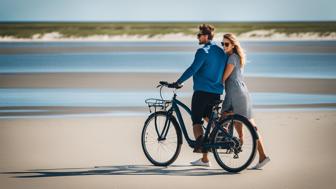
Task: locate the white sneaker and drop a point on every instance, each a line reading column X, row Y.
column 199, row 162
column 261, row 164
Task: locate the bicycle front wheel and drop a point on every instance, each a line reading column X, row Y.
column 161, row 139
column 242, row 139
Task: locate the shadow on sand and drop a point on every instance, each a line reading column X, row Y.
column 174, row 170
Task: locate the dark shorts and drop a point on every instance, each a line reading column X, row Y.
column 201, row 105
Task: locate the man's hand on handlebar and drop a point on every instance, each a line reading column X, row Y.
column 175, row 85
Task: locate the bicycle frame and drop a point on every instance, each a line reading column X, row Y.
column 219, row 133
column 175, row 108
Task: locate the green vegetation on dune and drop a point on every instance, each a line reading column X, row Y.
column 83, row 29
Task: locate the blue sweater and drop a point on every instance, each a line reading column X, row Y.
column 207, row 69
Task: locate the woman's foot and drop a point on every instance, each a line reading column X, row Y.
column 262, row 163
column 200, row 162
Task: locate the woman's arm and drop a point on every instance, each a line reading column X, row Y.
column 228, row 70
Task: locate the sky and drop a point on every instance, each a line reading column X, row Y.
column 167, row 10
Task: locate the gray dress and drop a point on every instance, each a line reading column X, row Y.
column 237, row 98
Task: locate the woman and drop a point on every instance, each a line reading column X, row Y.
column 237, row 99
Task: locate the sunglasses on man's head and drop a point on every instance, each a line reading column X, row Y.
column 226, row 44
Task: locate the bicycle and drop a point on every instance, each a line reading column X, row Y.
column 162, row 133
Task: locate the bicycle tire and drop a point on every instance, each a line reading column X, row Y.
column 177, row 130
column 251, row 156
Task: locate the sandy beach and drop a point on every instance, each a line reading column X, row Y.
column 105, row 152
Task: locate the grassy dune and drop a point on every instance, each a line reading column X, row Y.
column 84, row 29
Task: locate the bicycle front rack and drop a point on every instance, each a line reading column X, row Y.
column 157, row 104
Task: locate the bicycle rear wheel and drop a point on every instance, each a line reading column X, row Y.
column 242, row 138
column 161, row 139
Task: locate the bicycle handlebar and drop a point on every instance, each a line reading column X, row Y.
column 174, row 85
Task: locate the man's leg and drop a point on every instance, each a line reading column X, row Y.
column 198, row 130
column 201, row 109
column 198, row 133
column 197, row 106
column 205, row 157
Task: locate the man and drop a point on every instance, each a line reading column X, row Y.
column 207, row 70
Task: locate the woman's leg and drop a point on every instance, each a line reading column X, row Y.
column 260, row 145
column 205, row 157
column 239, row 129
column 238, row 126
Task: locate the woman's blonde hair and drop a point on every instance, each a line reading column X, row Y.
column 237, row 48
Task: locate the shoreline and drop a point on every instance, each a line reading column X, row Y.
column 49, row 112
column 149, row 81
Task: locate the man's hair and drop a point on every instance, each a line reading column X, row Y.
column 207, row 29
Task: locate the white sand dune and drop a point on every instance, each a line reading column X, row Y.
column 252, row 35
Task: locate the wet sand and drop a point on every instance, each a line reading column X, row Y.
column 148, row 81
